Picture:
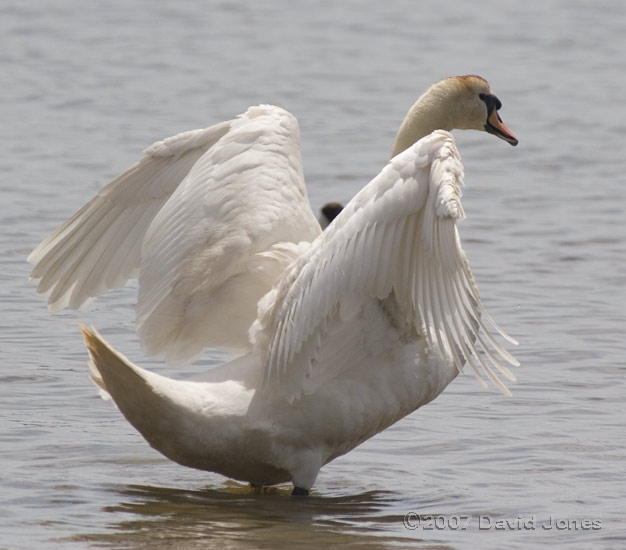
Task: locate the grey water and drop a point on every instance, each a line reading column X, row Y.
column 86, row 86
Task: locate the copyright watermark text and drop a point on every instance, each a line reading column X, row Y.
column 459, row 522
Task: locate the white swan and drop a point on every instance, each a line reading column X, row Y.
column 207, row 220
column 368, row 323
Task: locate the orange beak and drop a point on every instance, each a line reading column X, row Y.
column 496, row 127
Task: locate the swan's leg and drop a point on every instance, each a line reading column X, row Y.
column 306, row 466
column 257, row 489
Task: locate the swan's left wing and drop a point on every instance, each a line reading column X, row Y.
column 224, row 236
column 99, row 247
column 396, row 239
column 207, row 220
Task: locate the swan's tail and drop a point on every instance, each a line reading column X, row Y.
column 110, row 370
column 141, row 395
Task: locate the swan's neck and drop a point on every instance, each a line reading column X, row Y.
column 437, row 109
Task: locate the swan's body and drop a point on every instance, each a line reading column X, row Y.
column 369, row 322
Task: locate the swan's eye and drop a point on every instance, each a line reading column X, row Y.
column 491, row 101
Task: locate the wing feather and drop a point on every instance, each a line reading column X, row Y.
column 203, row 266
column 68, row 264
column 200, row 220
column 397, row 239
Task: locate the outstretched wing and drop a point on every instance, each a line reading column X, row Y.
column 99, row 247
column 397, row 239
column 207, row 221
column 221, row 240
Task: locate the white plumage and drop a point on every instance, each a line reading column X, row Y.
column 398, row 235
column 370, row 321
column 198, row 221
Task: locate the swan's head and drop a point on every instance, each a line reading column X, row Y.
column 474, row 106
column 457, row 102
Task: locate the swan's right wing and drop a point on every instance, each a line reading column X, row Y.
column 99, row 247
column 396, row 240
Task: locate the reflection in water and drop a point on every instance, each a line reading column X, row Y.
column 238, row 516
